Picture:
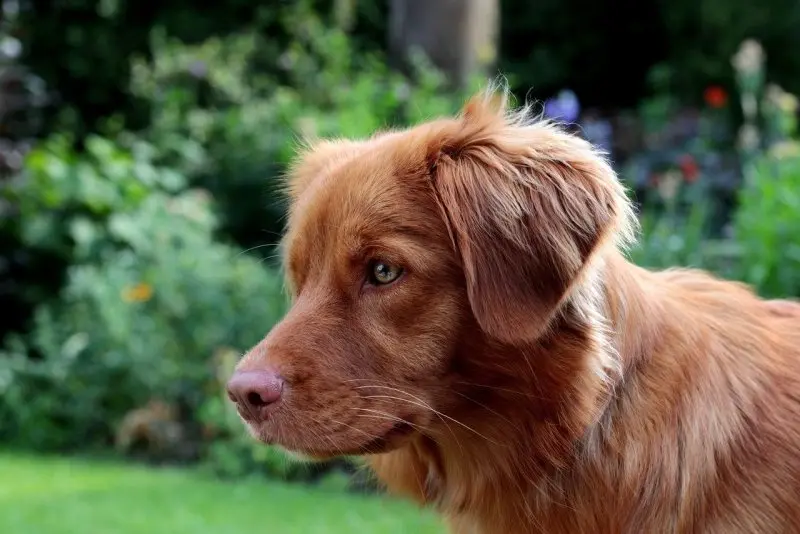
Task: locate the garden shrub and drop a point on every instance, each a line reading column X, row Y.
column 52, row 209
column 232, row 129
column 83, row 47
column 149, row 296
column 767, row 223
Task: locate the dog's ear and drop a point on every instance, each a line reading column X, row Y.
column 527, row 205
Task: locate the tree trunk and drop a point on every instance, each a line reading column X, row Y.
column 458, row 36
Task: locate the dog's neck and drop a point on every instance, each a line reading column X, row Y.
column 632, row 309
column 524, row 391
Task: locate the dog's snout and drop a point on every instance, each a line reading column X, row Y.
column 252, row 391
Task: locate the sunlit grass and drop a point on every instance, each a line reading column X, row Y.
column 65, row 496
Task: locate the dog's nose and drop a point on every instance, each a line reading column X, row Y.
column 254, row 390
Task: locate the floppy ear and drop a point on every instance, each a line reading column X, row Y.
column 526, row 205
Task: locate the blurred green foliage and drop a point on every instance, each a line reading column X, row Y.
column 149, row 295
column 65, row 199
column 764, row 250
column 767, row 225
column 82, row 47
column 59, row 208
column 228, row 127
column 763, row 245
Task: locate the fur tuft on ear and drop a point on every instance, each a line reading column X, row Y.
column 528, row 206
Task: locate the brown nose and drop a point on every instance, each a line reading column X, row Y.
column 252, row 391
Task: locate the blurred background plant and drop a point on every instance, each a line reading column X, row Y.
column 767, row 222
column 141, row 146
column 148, row 294
column 228, row 127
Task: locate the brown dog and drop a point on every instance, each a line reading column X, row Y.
column 464, row 317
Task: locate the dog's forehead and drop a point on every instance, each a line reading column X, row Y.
column 371, row 194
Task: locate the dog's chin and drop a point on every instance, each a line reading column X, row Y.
column 316, row 451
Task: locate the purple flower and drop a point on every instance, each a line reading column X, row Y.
column 198, row 69
column 564, row 107
column 599, row 132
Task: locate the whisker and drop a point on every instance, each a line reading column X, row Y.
column 387, row 417
column 254, row 248
column 437, row 412
column 360, row 448
column 427, row 406
column 398, row 391
column 462, row 382
column 351, row 427
column 321, row 436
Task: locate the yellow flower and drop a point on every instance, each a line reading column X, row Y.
column 785, row 150
column 141, row 292
column 788, row 103
column 780, row 99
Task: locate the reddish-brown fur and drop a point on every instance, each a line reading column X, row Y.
column 522, row 376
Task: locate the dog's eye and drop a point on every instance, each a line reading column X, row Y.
column 382, row 273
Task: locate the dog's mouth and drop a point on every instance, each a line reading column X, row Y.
column 322, row 449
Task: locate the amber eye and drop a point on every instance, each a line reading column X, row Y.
column 382, row 273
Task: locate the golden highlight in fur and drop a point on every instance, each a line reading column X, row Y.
column 516, row 372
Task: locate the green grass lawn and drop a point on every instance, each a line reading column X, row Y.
column 66, row 496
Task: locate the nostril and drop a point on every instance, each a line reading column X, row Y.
column 255, row 400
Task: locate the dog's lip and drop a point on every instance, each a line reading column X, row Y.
column 376, row 445
column 255, row 416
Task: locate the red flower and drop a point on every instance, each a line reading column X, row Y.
column 715, row 96
column 689, row 168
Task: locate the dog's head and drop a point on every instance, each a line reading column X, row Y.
column 407, row 252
